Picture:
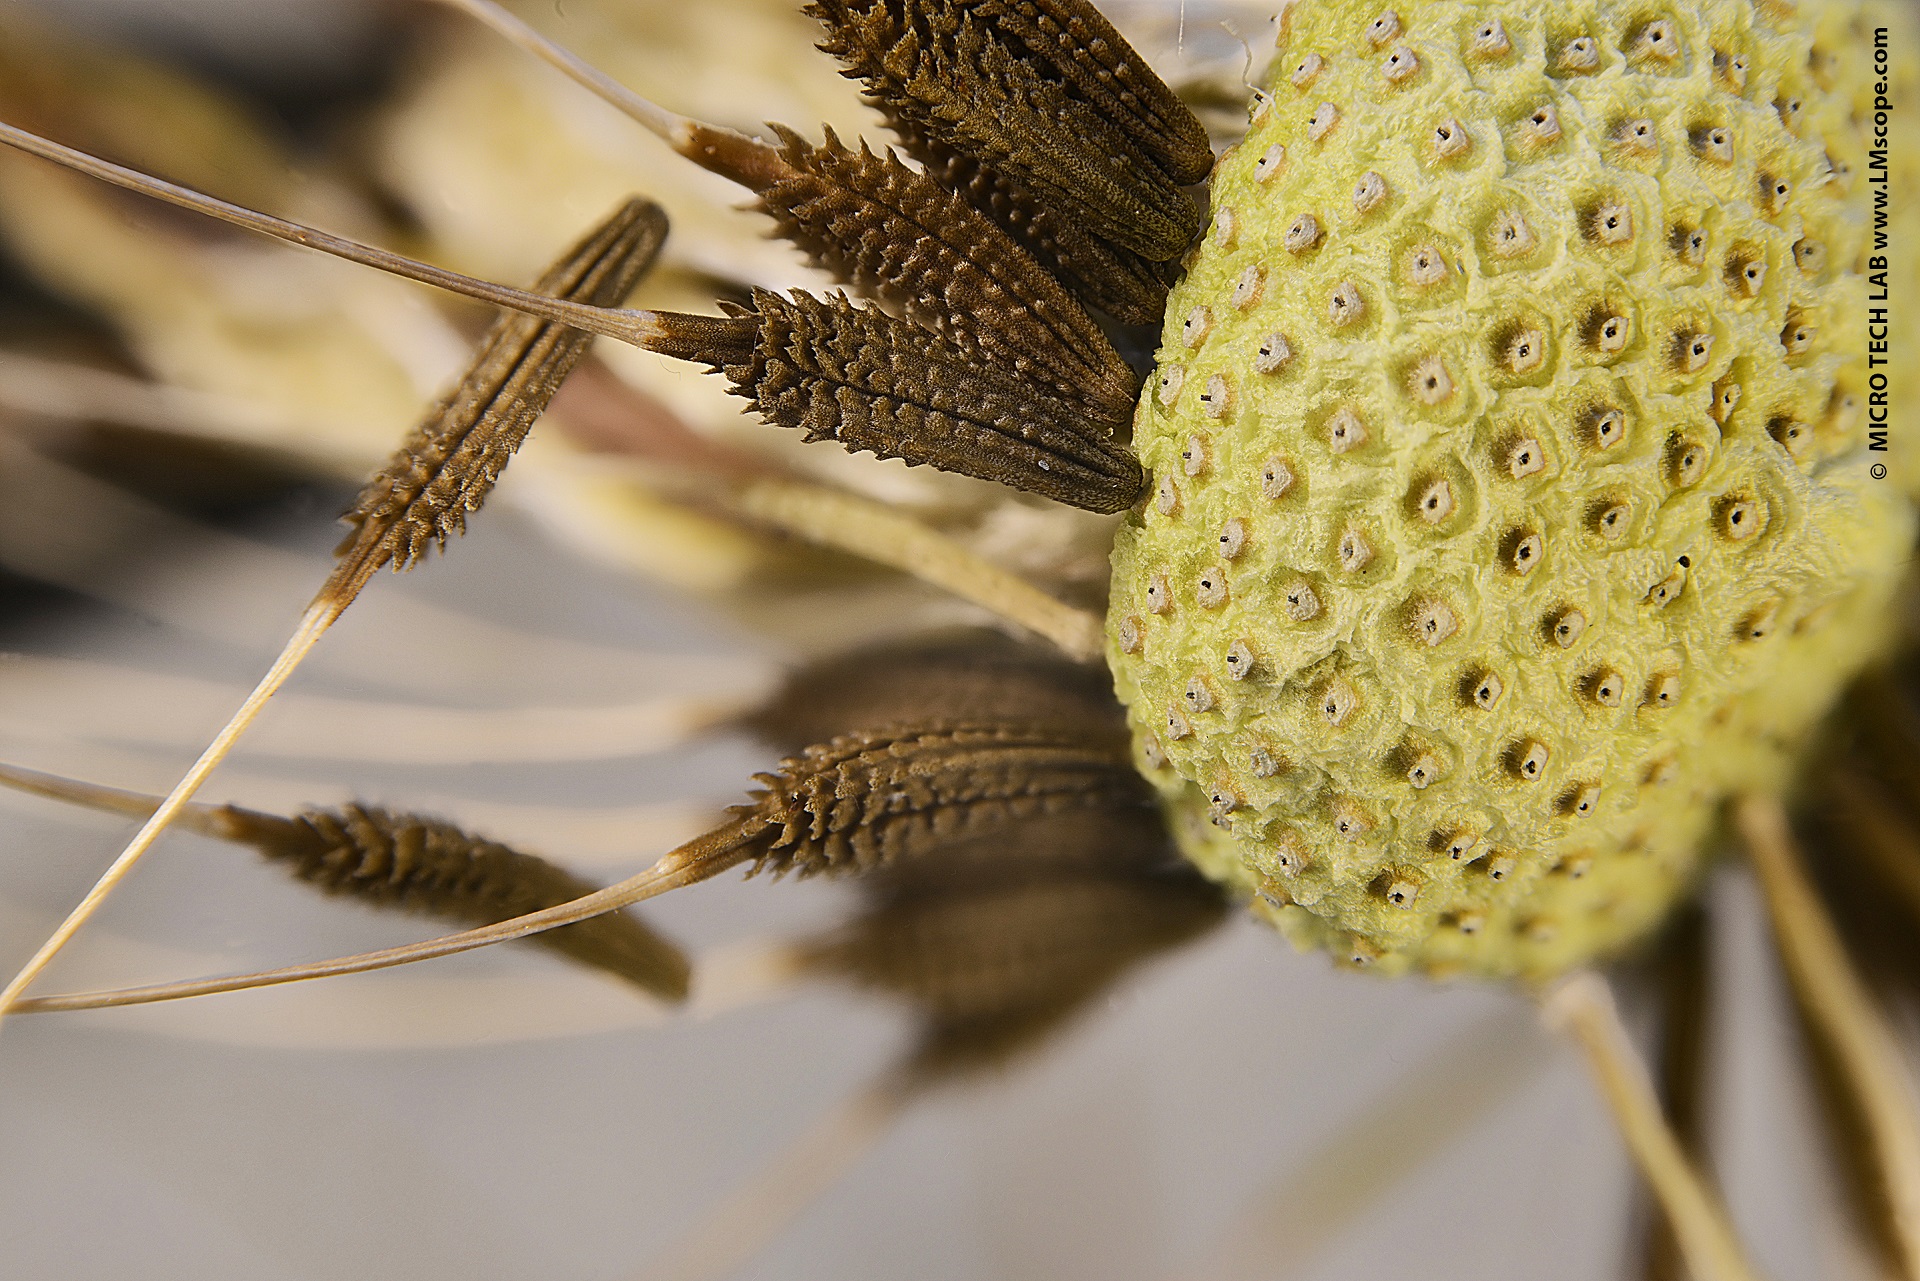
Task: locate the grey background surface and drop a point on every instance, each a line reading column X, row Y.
column 1239, row 1112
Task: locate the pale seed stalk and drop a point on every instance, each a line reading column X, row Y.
column 319, row 617
column 853, row 805
column 848, row 523
column 1583, row 1008
column 671, row 872
column 442, row 472
column 1840, row 1012
column 627, row 325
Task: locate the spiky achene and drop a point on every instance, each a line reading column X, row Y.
column 879, row 385
column 1000, row 923
column 1029, row 120
column 444, row 470
column 424, row 865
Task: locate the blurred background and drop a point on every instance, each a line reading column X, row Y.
column 183, row 412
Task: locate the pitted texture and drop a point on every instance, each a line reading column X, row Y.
column 1511, row 503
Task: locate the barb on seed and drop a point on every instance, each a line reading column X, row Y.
column 989, row 82
column 891, row 231
column 878, row 384
column 851, row 806
column 409, row 863
column 441, row 473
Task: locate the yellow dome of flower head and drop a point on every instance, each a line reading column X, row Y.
column 1512, row 504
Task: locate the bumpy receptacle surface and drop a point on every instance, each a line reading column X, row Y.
column 1511, row 501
